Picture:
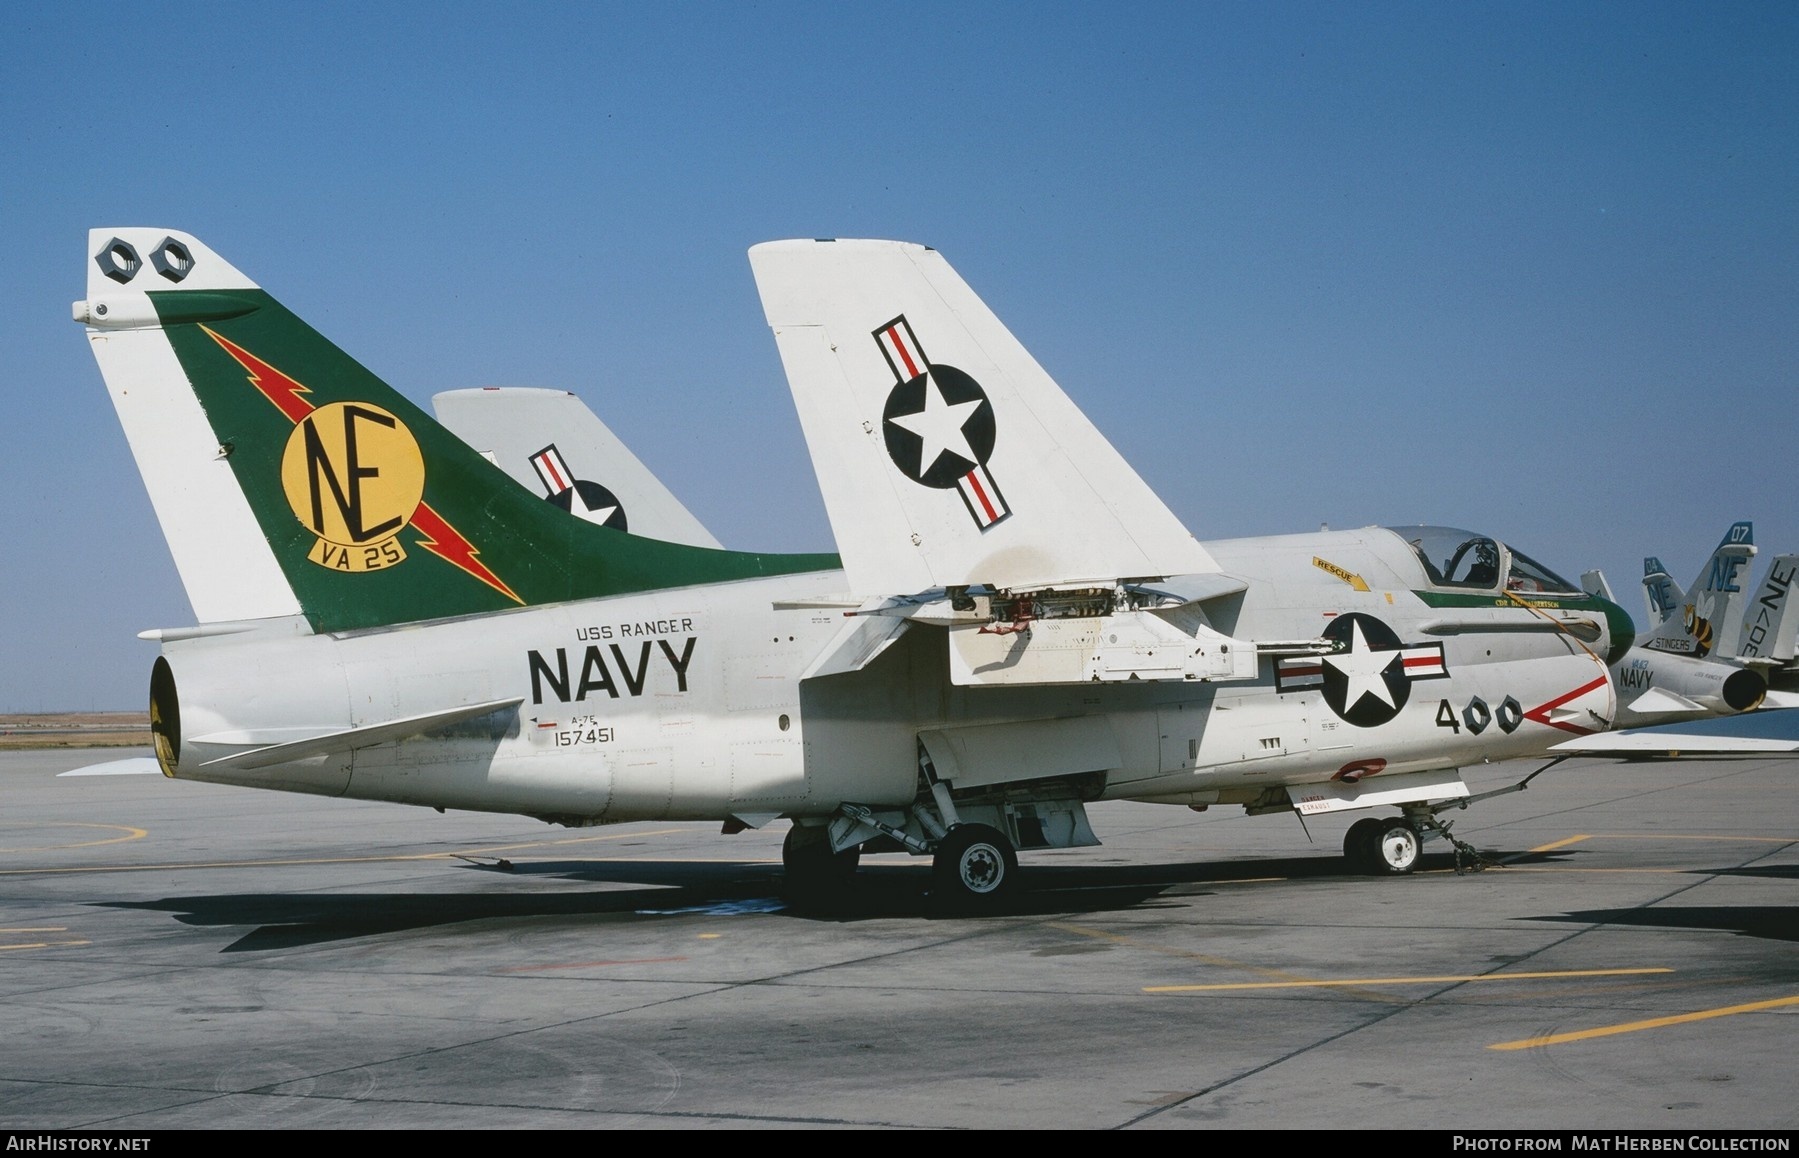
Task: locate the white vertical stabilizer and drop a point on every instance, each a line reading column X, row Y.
column 224, row 559
column 1710, row 617
column 553, row 445
column 946, row 454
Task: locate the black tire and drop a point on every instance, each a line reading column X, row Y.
column 1358, row 844
column 974, row 868
column 818, row 880
column 1397, row 847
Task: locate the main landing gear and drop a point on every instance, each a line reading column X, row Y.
column 973, row 868
column 818, row 880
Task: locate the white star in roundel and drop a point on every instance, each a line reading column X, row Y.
column 939, row 425
column 578, row 505
column 1364, row 669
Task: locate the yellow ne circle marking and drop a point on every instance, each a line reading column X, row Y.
column 1444, row 980
column 1651, row 1023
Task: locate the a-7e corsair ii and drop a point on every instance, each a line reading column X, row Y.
column 1018, row 625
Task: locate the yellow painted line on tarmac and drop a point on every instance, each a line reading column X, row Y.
column 1562, row 843
column 37, row 929
column 44, row 944
column 1651, row 1023
column 1203, row 958
column 1444, row 980
column 131, row 833
column 1653, row 836
column 460, row 854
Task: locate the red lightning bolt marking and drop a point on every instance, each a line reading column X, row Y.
column 277, row 387
column 447, row 543
column 441, row 539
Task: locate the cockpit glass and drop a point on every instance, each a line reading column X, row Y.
column 1455, row 558
column 1526, row 575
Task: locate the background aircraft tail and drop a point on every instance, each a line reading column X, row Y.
column 1771, row 620
column 288, row 478
column 1662, row 596
column 946, row 454
column 554, row 446
column 1707, row 619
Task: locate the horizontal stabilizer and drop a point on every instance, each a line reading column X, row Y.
column 353, row 738
column 946, row 455
column 134, row 766
column 1658, row 701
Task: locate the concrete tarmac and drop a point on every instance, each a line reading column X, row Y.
column 177, row 955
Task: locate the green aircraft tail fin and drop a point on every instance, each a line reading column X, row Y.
column 290, row 479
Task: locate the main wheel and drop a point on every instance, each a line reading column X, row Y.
column 974, row 867
column 1397, row 847
column 1358, row 844
column 817, row 878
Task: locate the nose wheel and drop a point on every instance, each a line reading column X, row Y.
column 1388, row 847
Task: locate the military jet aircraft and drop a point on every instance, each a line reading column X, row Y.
column 1017, row 626
column 1683, row 670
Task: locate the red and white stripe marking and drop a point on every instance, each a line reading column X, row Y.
column 1424, row 662
column 1291, row 675
column 900, row 345
column 982, row 495
column 552, row 470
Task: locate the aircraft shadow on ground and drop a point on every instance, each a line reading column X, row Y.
column 1771, row 872
column 1769, row 922
column 650, row 889
column 655, row 889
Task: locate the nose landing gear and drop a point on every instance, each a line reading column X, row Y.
column 1383, row 847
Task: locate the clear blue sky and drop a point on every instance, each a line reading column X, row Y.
column 1527, row 268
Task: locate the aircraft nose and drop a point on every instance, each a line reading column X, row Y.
column 1619, row 630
